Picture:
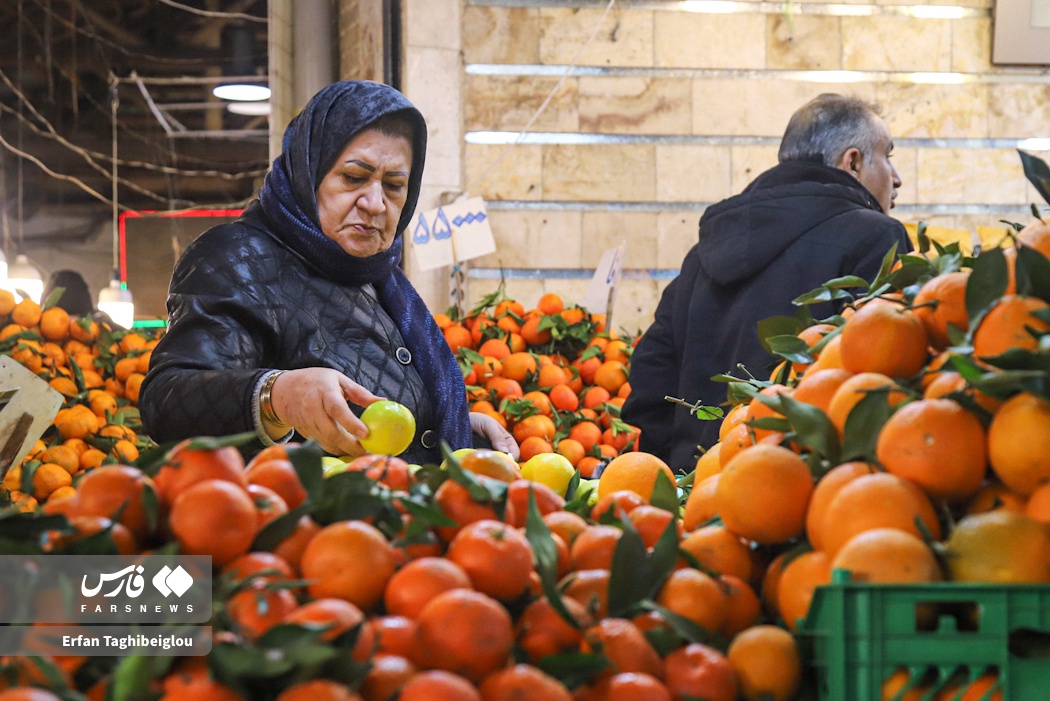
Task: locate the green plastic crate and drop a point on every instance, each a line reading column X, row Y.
column 856, row 635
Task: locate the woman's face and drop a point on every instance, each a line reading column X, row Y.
column 360, row 199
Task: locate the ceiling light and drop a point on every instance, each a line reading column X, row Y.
column 23, row 276
column 241, row 92
column 251, row 109
column 116, row 301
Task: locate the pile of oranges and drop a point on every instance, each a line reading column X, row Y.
column 904, row 440
column 554, row 376
column 98, row 370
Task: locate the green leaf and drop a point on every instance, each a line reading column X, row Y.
column 134, row 675
column 271, row 535
column 986, row 283
column 683, row 626
column 665, row 493
column 306, row 459
column 1033, row 273
column 664, row 556
column 545, row 557
column 863, row 424
column 631, row 573
column 574, row 668
column 791, row 348
column 813, row 428
column 778, row 326
column 890, row 259
column 1037, row 172
column 481, row 489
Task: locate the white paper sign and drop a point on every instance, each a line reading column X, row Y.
column 602, row 290
column 471, row 230
column 453, row 233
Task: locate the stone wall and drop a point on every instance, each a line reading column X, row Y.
column 670, row 110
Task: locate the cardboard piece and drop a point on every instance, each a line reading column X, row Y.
column 23, row 394
column 601, row 292
column 452, row 234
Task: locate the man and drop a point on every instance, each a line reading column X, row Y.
column 818, row 215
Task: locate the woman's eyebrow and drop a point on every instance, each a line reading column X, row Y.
column 371, row 168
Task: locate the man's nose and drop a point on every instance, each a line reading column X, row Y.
column 896, row 176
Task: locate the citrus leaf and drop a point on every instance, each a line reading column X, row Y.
column 665, row 493
column 306, row 459
column 270, row 535
column 683, row 626
column 1033, row 273
column 1037, row 172
column 890, row 258
column 812, row 427
column 863, row 424
column 664, row 557
column 778, row 326
column 791, row 348
column 986, row 283
column 631, row 574
column 545, row 558
column 574, row 668
column 134, row 675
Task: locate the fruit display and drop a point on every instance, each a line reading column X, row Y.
column 902, row 441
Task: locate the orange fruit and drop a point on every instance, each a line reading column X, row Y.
column 700, row 506
column 942, row 301
column 26, row 313
column 624, row 644
column 743, row 607
column 318, row 690
column 184, row 467
column 465, row 632
column 257, row 608
column 817, row 388
column 523, row 682
column 259, row 565
column 1006, row 326
column 210, row 507
column 335, row 617
column 630, row 686
column 999, row 547
column 694, row 595
column 879, row 500
column 636, row 472
column 590, row 588
column 594, row 547
column 386, row 676
column 886, row 338
column 937, row 444
column 767, row 663
column 824, row 491
column 438, row 685
column 393, row 635
column 888, row 556
column 610, row 376
column 701, row 672
column 550, row 303
column 797, row 582
column 851, row 391
column 1019, row 442
column 117, row 489
column 763, row 493
column 718, row 549
column 279, row 475
column 496, row 557
column 541, row 631
column 349, row 560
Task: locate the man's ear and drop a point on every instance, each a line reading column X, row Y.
column 851, row 161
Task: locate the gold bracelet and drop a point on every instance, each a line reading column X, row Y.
column 265, row 402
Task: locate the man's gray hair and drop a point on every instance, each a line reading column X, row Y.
column 826, row 126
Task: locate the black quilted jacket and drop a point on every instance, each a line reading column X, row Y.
column 794, row 228
column 240, row 303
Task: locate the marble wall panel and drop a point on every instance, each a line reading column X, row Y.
column 1018, row 111
column 534, row 239
column 758, row 106
column 517, row 176
column 935, row 111
column 970, row 176
column 896, row 44
column 688, row 40
column 634, row 305
column 972, row 45
column 906, row 161
column 803, row 42
column 501, row 35
column 625, row 38
column 676, row 234
column 616, row 105
column 608, row 229
column 748, row 162
column 435, row 24
column 692, row 173
column 507, row 103
column 605, row 172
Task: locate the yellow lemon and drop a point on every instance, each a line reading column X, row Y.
column 551, row 469
column 391, row 427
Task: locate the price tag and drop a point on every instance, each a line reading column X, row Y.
column 452, row 233
column 602, row 290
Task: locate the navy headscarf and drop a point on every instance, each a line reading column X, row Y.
column 312, row 142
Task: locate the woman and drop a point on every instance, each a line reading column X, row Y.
column 279, row 319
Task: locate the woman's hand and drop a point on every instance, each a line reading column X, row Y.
column 313, row 401
column 499, row 437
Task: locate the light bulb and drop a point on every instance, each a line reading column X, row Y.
column 241, row 92
column 117, row 303
column 23, row 275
